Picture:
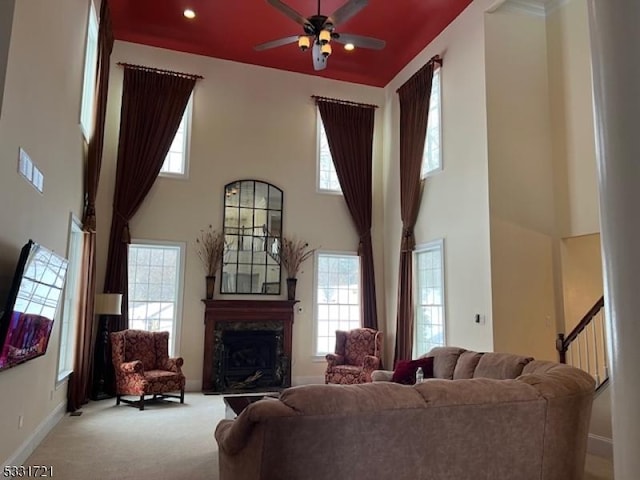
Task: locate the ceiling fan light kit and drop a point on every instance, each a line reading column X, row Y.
column 303, row 42
column 324, row 37
column 319, row 30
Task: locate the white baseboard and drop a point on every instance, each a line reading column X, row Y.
column 307, row 380
column 600, row 446
column 29, row 445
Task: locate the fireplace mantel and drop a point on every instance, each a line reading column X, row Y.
column 217, row 311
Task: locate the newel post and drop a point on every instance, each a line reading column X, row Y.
column 562, row 349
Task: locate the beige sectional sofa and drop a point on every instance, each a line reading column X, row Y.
column 487, row 416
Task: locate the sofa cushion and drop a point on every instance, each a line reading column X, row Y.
column 479, row 391
column 350, row 399
column 444, row 361
column 500, row 366
column 466, row 366
column 405, row 371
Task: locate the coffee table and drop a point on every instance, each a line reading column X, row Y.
column 234, row 405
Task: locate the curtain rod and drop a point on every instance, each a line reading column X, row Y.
column 435, row 59
column 159, row 70
column 318, row 98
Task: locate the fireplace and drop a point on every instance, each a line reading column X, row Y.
column 247, row 345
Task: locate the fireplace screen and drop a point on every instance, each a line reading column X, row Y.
column 249, row 360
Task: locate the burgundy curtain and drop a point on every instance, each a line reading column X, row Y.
column 153, row 103
column 414, row 97
column 80, row 382
column 349, row 129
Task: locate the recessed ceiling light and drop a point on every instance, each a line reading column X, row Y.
column 349, row 46
column 189, row 13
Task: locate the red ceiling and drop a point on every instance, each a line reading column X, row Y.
column 229, row 29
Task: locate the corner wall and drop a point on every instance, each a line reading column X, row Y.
column 571, row 103
column 40, row 113
column 524, row 243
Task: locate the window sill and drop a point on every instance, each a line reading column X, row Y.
column 329, row 192
column 174, row 176
column 63, row 378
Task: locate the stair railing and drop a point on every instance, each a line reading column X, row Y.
column 585, row 347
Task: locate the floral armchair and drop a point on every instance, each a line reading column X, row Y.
column 358, row 353
column 143, row 367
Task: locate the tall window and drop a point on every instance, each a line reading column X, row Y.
column 327, row 176
column 155, row 281
column 337, row 297
column 70, row 311
column 90, row 66
column 432, row 155
column 430, row 325
column 176, row 161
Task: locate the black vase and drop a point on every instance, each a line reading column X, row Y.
column 291, row 288
column 211, row 285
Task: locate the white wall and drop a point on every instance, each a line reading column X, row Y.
column 455, row 203
column 582, row 276
column 570, row 97
column 41, row 112
column 248, row 122
column 521, row 193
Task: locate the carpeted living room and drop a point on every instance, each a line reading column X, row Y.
column 270, row 182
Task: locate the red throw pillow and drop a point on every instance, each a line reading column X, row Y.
column 405, row 371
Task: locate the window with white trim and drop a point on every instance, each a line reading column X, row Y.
column 429, row 316
column 155, row 284
column 432, row 155
column 337, row 297
column 327, row 176
column 70, row 309
column 89, row 82
column 176, row 162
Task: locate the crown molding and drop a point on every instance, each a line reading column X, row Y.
column 537, row 8
column 528, row 7
column 554, row 5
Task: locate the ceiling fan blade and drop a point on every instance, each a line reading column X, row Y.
column 319, row 60
column 289, row 12
column 361, row 41
column 276, row 43
column 346, row 11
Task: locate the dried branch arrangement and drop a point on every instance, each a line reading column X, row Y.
column 292, row 253
column 210, row 247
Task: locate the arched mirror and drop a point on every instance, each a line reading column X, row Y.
column 252, row 230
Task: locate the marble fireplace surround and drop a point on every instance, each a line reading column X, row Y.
column 246, row 315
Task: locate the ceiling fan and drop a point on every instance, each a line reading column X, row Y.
column 319, row 31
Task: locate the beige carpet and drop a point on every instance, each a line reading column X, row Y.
column 166, row 441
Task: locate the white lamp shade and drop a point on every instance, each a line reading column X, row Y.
column 108, row 304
